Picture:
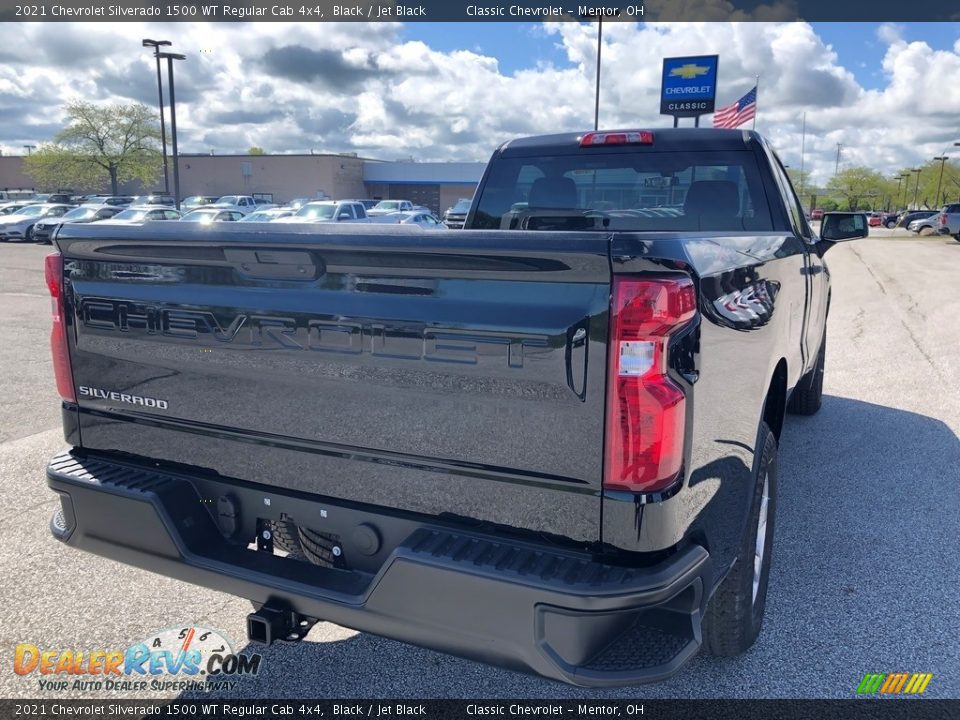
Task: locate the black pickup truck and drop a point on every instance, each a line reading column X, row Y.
column 547, row 442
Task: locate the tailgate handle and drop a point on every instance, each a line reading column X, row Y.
column 275, row 264
column 577, row 355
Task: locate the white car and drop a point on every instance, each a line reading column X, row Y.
column 212, row 214
column 328, row 211
column 268, row 215
column 417, row 218
column 19, row 225
column 241, row 203
column 13, row 206
column 141, row 214
column 392, row 206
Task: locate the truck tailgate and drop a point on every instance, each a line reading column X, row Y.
column 456, row 373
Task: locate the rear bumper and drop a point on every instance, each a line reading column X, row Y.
column 535, row 608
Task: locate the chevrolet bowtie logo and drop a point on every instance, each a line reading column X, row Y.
column 689, row 71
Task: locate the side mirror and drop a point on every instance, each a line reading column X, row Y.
column 840, row 226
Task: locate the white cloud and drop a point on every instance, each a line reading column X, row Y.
column 361, row 87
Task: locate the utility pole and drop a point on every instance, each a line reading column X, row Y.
column 916, row 188
column 836, row 167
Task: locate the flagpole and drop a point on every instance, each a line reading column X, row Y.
column 758, row 103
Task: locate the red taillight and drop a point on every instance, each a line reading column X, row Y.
column 943, row 218
column 645, row 408
column 58, row 333
column 621, row 137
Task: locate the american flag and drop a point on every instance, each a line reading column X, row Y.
column 736, row 114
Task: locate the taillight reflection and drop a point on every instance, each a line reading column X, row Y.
column 53, row 269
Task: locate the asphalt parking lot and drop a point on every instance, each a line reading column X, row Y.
column 866, row 570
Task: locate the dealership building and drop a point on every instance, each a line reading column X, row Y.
column 281, row 178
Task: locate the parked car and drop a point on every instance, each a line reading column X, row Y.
column 554, row 453
column 391, row 206
column 142, row 213
column 120, row 201
column 212, row 214
column 425, row 220
column 298, row 203
column 948, row 221
column 456, row 215
column 154, row 199
column 16, row 194
column 367, row 203
column 267, row 215
column 889, row 219
column 44, row 229
column 874, row 219
column 328, row 211
column 195, row 201
column 925, row 225
column 816, row 214
column 241, row 203
column 19, row 225
column 12, row 207
column 908, row 216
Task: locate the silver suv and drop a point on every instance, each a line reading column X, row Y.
column 948, row 222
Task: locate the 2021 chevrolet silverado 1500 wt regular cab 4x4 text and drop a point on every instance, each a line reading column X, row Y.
column 547, row 442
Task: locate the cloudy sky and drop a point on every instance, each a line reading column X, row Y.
column 455, row 91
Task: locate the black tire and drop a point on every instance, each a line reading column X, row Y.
column 734, row 616
column 28, row 235
column 318, row 547
column 286, row 538
column 891, row 224
column 808, row 394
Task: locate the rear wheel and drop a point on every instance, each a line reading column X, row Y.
column 925, row 230
column 891, row 224
column 319, row 547
column 285, row 537
column 28, row 235
column 304, row 543
column 734, row 616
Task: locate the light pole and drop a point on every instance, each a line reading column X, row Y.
column 899, row 179
column 836, row 167
column 906, row 188
column 30, row 148
column 170, row 56
column 156, row 45
column 916, row 188
column 943, row 161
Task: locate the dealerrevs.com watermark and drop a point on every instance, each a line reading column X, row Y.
column 172, row 660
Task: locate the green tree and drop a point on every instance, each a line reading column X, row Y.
column 925, row 193
column 115, row 143
column 256, row 150
column 801, row 180
column 859, row 188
